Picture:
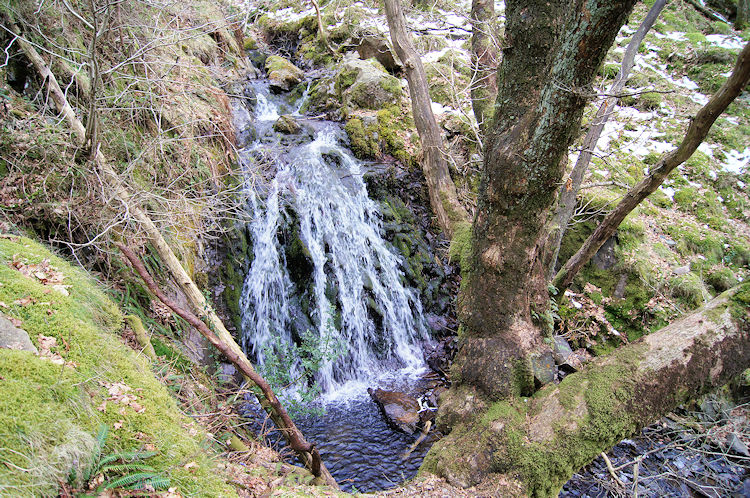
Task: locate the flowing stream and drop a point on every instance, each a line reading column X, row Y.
column 320, row 268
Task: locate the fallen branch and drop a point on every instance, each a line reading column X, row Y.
column 419, row 440
column 306, row 451
column 611, row 469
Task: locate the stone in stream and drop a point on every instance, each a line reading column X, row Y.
column 282, row 74
column 287, row 125
column 401, row 411
column 11, row 337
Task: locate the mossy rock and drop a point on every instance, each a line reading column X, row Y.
column 50, row 413
column 282, row 74
column 367, row 85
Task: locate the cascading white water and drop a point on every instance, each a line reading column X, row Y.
column 354, row 273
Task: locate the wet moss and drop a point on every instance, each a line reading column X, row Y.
column 363, row 142
column 460, row 246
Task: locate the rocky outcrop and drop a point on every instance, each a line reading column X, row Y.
column 358, row 84
column 376, row 46
column 401, row 411
column 282, row 74
column 12, row 337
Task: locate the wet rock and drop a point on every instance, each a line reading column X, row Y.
column 282, row 74
column 287, row 125
column 400, row 410
column 560, row 349
column 543, row 368
column 439, row 356
column 681, row 270
column 376, row 46
column 12, row 337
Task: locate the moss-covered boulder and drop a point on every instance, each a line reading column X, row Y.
column 366, row 84
column 54, row 404
column 282, row 74
column 287, row 125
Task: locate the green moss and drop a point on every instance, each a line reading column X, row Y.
column 689, row 289
column 460, row 247
column 722, row 279
column 695, row 37
column 363, row 143
column 48, row 412
column 648, row 101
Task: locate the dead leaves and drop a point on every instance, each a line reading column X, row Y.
column 589, row 319
column 47, row 344
column 123, row 395
column 43, row 271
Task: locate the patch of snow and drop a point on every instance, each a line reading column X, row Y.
column 736, row 161
column 732, row 42
column 668, row 191
column 707, row 149
column 740, row 184
column 438, row 108
column 673, row 35
column 290, row 15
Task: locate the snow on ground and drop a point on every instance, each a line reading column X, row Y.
column 732, row 42
column 736, row 161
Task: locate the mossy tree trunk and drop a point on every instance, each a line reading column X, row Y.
column 743, row 14
column 535, row 445
column 696, row 133
column 552, row 50
column 443, row 196
column 484, row 61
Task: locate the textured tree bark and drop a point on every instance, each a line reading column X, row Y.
column 743, row 14
column 443, row 198
column 538, row 443
column 566, row 202
column 696, row 133
column 170, row 260
column 484, row 61
column 306, row 451
column 552, row 52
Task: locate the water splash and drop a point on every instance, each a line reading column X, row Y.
column 354, row 280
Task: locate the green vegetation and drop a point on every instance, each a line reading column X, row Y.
column 54, row 404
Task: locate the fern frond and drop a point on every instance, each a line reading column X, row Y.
column 126, row 468
column 156, row 482
column 130, row 479
column 126, row 456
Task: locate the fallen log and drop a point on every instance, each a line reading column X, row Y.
column 537, row 443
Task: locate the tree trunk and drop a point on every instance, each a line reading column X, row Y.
column 567, row 201
column 484, row 61
column 552, row 52
column 170, row 260
column 442, row 190
column 743, row 14
column 696, row 133
column 536, row 444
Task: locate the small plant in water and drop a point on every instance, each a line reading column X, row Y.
column 290, row 368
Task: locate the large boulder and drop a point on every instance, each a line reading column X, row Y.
column 366, row 84
column 287, row 124
column 282, row 74
column 400, row 410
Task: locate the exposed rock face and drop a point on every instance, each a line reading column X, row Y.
column 400, row 410
column 11, row 337
column 287, row 125
column 282, row 74
column 376, row 46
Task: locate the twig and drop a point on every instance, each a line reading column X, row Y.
column 611, row 469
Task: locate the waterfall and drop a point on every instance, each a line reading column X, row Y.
column 354, row 292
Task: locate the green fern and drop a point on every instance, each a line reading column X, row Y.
column 122, row 470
